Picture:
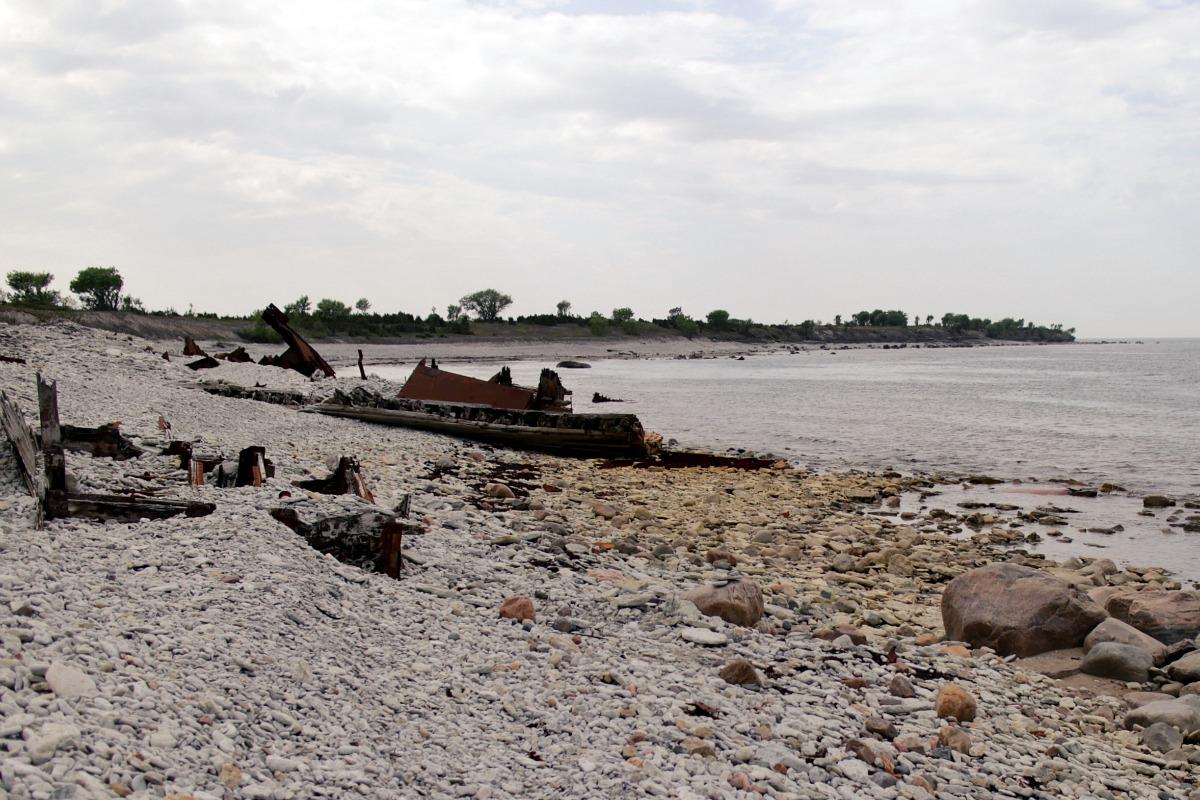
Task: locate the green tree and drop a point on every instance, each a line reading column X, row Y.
column 837, row 320
column 332, row 312
column 454, row 313
column 564, row 308
column 98, row 287
column 687, row 326
column 487, row 304
column 622, row 315
column 32, row 288
column 132, row 304
column 363, row 305
column 300, row 308
column 598, row 324
column 718, row 318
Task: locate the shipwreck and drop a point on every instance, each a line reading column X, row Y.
column 497, row 411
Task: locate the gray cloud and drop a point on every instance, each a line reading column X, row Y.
column 785, row 159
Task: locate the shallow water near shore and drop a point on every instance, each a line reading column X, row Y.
column 1127, row 414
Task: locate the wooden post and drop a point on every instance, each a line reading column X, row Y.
column 52, row 449
column 362, row 373
column 251, row 469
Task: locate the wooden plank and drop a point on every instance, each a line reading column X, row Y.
column 55, row 487
column 20, row 436
column 121, row 507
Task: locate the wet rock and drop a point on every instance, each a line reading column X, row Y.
column 1114, row 630
column 1161, row 737
column 518, row 607
column 955, row 701
column 740, row 672
column 1157, row 501
column 1168, row 616
column 1017, row 610
column 1120, row 662
column 739, row 602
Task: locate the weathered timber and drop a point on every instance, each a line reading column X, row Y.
column 12, row 360
column 503, row 377
column 190, row 348
column 346, row 479
column 362, row 373
column 236, row 356
column 279, row 397
column 57, row 502
column 105, row 441
column 371, row 538
column 581, row 435
column 299, row 355
column 208, row 362
column 54, row 500
column 24, row 446
column 128, row 508
column 253, row 467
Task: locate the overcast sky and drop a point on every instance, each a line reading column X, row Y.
column 785, row 159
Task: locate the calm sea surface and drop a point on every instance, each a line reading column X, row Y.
column 1122, row 413
column 1127, row 413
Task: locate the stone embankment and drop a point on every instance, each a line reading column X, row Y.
column 561, row 629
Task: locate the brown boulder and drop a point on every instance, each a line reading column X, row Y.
column 955, row 701
column 517, row 607
column 740, row 672
column 739, row 602
column 1168, row 616
column 1017, row 610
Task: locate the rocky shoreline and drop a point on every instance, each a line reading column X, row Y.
column 562, row 629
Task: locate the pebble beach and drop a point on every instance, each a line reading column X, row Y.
column 546, row 637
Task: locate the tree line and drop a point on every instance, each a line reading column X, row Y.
column 100, row 288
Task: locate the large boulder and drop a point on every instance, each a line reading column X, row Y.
column 1017, row 610
column 1187, row 669
column 1182, row 713
column 738, row 602
column 1120, row 662
column 1113, row 630
column 1168, row 616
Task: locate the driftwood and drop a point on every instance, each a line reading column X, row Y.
column 12, row 360
column 346, row 479
column 300, row 355
column 362, row 373
column 105, row 441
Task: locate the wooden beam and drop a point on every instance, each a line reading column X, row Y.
column 55, row 487
column 24, row 445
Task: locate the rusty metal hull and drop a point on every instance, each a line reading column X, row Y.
column 622, row 438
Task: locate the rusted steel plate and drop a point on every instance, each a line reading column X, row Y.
column 430, row 383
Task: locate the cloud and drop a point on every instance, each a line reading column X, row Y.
column 881, row 153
